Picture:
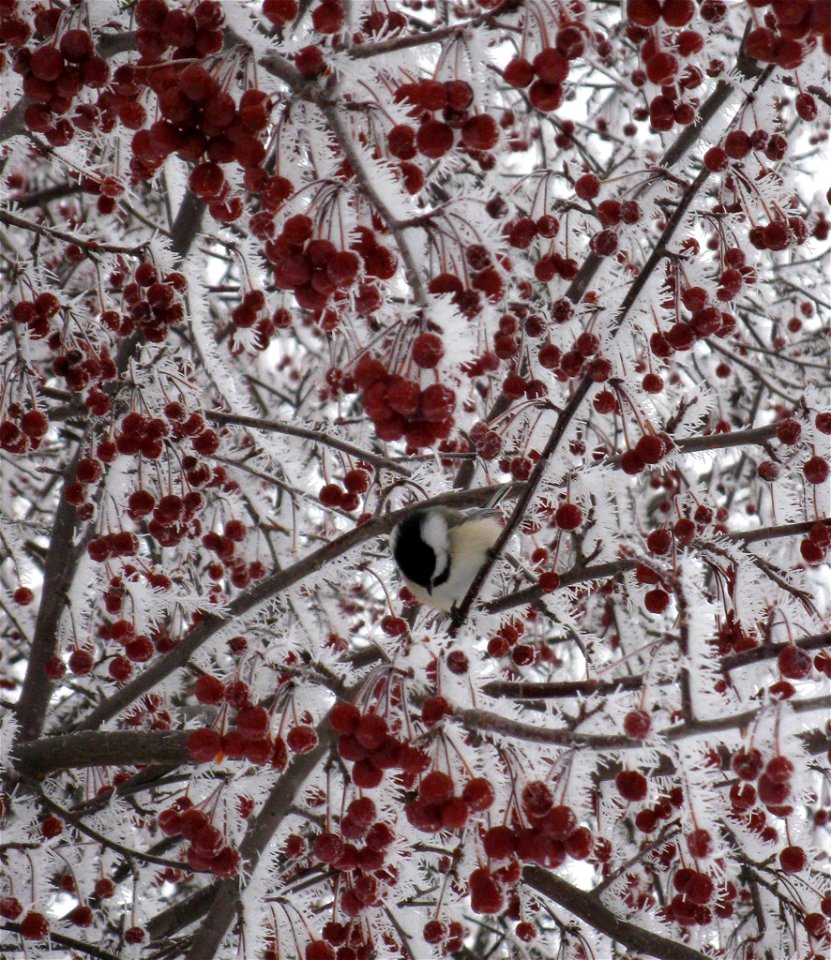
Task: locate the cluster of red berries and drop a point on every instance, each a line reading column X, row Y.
column 549, row 70
column 553, row 832
column 552, row 835
column 361, row 866
column 224, row 545
column 506, row 640
column 138, row 648
column 81, row 915
column 341, row 941
column 114, row 594
column 193, row 34
column 199, row 119
column 22, row 430
column 814, row 547
column 438, row 808
column 779, row 234
column 106, row 546
column 315, row 270
column 581, row 359
column 207, row 849
column 649, row 450
column 249, row 736
column 399, row 407
column 468, row 300
column 365, row 740
column 731, row 636
column 355, row 482
column 140, row 434
column 660, row 53
column 736, row 146
column 773, row 779
column 706, row 322
column 695, row 890
column 36, row 314
column 152, row 304
column 55, row 72
column 788, row 31
column 660, row 66
column 433, row 138
column 81, row 365
column 647, row 819
column 449, row 935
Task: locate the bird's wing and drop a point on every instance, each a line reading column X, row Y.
column 466, row 516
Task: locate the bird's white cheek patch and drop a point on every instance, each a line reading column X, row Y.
column 434, row 533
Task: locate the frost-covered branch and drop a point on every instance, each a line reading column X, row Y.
column 590, row 908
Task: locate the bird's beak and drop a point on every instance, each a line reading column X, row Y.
column 430, row 589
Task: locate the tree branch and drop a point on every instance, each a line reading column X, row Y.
column 591, row 910
column 122, row 748
column 309, row 433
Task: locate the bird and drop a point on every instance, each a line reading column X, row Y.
column 439, row 551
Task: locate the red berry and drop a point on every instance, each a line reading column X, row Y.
column 344, row 717
column 536, row 798
column 10, row 908
column 253, row 723
column 637, row 724
column 549, row 581
column 51, row 827
column 659, row 542
column 301, row 738
column 434, row 932
column 645, row 13
column 80, row 662
column 656, row 601
column 794, row 663
column 793, row 859
column 650, row 449
column 499, row 842
column 371, row 731
column 478, row 794
column 788, row 431
column 23, row 596
column 747, row 764
column 427, row 350
column 209, row 689
column 519, row 73
column 204, row 744
column 815, row 470
column 486, row 895
column 568, row 516
column 579, row 843
column 331, row 495
column 587, row 187
column 34, row 926
column 480, row 132
column 779, row 769
column 699, row 843
column 434, row 139
column 631, row 785
column 436, row 787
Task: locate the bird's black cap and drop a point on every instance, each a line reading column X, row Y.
column 415, row 559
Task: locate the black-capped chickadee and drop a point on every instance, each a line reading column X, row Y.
column 439, row 552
